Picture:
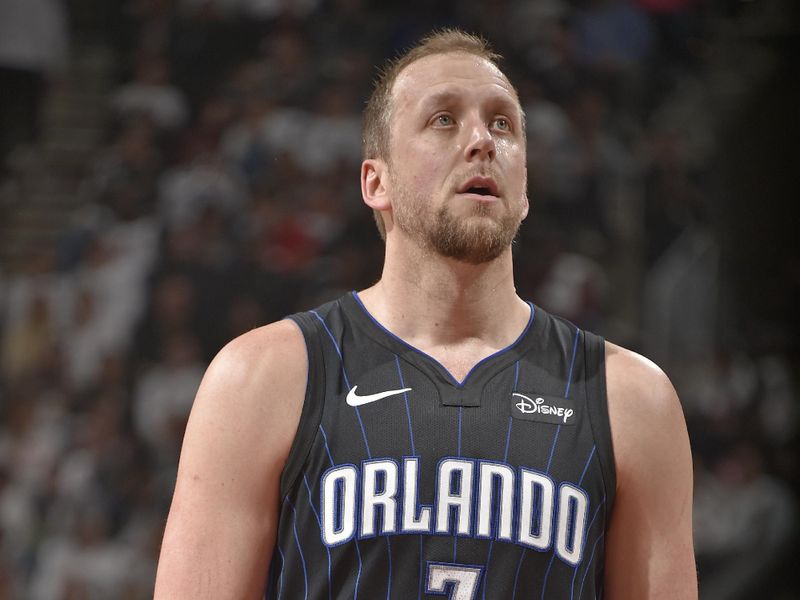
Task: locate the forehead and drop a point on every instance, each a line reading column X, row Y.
column 454, row 72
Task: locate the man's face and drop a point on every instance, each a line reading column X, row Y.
column 457, row 177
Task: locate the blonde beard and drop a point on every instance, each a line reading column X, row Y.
column 475, row 239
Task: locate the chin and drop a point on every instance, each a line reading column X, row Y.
column 475, row 244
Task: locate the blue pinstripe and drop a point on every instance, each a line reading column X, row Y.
column 588, row 460
column 460, row 416
column 413, row 453
column 299, row 547
column 505, row 460
column 552, row 449
column 319, row 520
column 589, row 564
column 458, row 453
column 419, row 594
column 588, row 528
column 547, row 573
column 408, row 410
column 555, row 439
column 389, row 585
column 358, row 550
column 335, row 346
column 572, row 362
column 325, row 438
column 596, row 512
column 358, row 574
column 516, row 577
column 346, row 379
column 280, row 577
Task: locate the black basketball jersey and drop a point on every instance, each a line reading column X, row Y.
column 405, row 483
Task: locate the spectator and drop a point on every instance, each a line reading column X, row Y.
column 152, row 94
column 333, row 138
column 109, row 299
column 123, row 177
column 35, row 313
column 164, row 395
column 201, row 181
column 738, row 506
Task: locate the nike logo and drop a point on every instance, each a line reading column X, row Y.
column 354, row 399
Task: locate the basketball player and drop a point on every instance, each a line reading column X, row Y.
column 433, row 435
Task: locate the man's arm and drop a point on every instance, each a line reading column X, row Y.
column 223, row 519
column 649, row 547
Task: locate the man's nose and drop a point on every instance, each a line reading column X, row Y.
column 480, row 144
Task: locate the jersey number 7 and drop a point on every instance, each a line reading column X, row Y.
column 461, row 581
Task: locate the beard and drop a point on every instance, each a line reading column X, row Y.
column 474, row 238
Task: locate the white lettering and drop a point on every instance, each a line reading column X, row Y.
column 573, row 505
column 372, row 498
column 531, row 406
column 413, row 522
column 521, row 506
column 339, row 504
column 537, row 490
column 487, row 505
column 447, row 498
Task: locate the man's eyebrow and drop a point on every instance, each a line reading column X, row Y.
column 441, row 97
column 452, row 97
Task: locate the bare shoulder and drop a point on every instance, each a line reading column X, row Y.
column 632, row 377
column 638, row 388
column 223, row 519
column 645, row 413
column 274, row 354
column 263, row 366
column 652, row 515
column 255, row 385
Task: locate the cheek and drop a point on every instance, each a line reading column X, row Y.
column 514, row 157
column 425, row 167
column 426, row 158
column 511, row 148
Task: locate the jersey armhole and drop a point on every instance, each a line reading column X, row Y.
column 597, row 406
column 311, row 415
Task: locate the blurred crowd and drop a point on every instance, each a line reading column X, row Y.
column 226, row 195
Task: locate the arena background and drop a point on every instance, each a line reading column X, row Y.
column 176, row 172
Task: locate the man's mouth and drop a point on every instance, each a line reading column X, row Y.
column 481, row 191
column 480, row 186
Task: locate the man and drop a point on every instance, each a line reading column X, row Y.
column 434, row 434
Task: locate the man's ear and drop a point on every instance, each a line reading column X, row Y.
column 374, row 179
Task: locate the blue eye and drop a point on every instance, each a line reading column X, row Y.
column 502, row 124
column 444, row 120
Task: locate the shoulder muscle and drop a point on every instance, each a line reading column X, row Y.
column 645, row 412
column 224, row 512
column 649, row 551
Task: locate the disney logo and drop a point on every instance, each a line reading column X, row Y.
column 529, row 406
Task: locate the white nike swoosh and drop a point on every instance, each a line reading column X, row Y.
column 354, row 399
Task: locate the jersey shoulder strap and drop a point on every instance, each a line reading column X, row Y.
column 313, row 401
column 597, row 408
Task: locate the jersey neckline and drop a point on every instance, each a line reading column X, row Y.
column 373, row 326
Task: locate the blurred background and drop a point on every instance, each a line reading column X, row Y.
column 177, row 172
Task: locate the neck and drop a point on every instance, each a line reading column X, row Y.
column 429, row 300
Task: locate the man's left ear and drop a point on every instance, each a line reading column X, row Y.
column 374, row 175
